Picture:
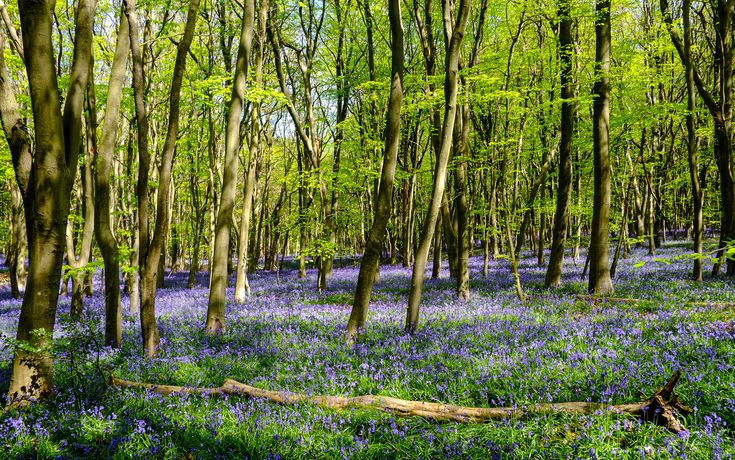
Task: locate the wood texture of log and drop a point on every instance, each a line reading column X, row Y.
column 661, row 408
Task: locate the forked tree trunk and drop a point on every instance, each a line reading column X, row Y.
column 151, row 250
column 223, row 227
column 599, row 278
column 371, row 257
column 86, row 198
column 45, row 180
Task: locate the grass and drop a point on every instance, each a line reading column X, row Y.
column 488, row 351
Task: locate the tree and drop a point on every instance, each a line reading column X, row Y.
column 46, row 177
column 18, row 141
column 151, row 249
column 103, row 164
column 457, row 28
column 374, row 244
column 216, row 309
column 599, row 277
column 242, row 287
column 310, row 147
column 568, row 114
column 719, row 104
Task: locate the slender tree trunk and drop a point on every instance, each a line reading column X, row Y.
column 150, row 252
column 623, row 233
column 147, row 317
column 719, row 104
column 568, row 109
column 440, row 172
column 242, row 287
column 78, row 264
column 376, row 236
column 460, row 203
column 599, row 279
column 18, row 243
column 449, row 233
column 332, row 210
column 103, row 162
column 223, row 227
column 134, row 277
column 697, row 198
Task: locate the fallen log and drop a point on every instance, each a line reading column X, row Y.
column 607, row 299
column 596, row 299
column 661, row 408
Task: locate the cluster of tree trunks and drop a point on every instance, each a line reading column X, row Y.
column 496, row 196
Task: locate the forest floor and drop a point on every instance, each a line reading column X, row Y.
column 487, row 351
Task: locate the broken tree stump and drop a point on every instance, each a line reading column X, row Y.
column 661, row 408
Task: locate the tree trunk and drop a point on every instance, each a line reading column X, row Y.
column 18, row 243
column 436, row 267
column 45, row 180
column 599, row 278
column 661, row 408
column 151, row 250
column 86, row 197
column 384, row 202
column 449, row 233
column 134, row 277
column 342, row 88
column 103, row 162
column 697, row 194
column 440, row 171
column 223, row 227
column 720, row 108
column 460, row 202
column 568, row 109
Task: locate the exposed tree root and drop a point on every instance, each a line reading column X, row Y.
column 661, row 408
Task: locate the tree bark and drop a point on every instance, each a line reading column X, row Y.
column 223, row 227
column 18, row 244
column 151, row 250
column 568, row 109
column 460, row 202
column 440, row 171
column 242, row 287
column 46, row 178
column 103, row 163
column 342, row 87
column 720, row 107
column 599, row 276
column 697, row 194
column 661, row 408
column 384, row 202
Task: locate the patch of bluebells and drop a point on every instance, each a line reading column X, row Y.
column 487, row 351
